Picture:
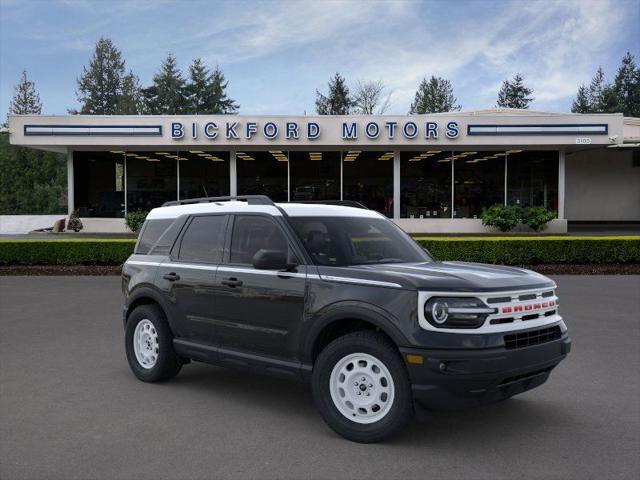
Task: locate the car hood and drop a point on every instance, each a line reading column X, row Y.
column 446, row 276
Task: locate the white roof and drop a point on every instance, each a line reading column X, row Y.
column 291, row 209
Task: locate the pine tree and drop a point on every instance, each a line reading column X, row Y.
column 130, row 101
column 627, row 86
column 167, row 95
column 25, row 99
column 196, row 89
column 99, row 86
column 206, row 92
column 218, row 100
column 514, row 94
column 433, row 96
column 596, row 91
column 338, row 101
column 581, row 104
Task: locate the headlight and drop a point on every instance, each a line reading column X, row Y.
column 456, row 312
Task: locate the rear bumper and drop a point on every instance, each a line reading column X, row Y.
column 451, row 379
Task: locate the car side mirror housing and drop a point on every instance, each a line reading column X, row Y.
column 265, row 259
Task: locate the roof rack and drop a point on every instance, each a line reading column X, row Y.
column 342, row 203
column 250, row 199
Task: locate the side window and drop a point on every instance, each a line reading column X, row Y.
column 252, row 233
column 204, row 239
column 150, row 234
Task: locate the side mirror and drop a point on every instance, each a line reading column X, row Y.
column 270, row 260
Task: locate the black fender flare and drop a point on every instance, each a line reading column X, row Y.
column 352, row 310
column 150, row 292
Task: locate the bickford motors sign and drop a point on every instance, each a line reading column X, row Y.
column 295, row 130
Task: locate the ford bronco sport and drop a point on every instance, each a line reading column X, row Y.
column 339, row 297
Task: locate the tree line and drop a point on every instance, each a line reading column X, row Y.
column 435, row 95
column 106, row 88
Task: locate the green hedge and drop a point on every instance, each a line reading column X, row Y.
column 65, row 252
column 535, row 250
column 499, row 250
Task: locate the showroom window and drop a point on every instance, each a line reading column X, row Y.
column 99, row 183
column 203, row 173
column 314, row 176
column 151, row 179
column 368, row 178
column 532, row 178
column 425, row 184
column 263, row 173
column 478, row 182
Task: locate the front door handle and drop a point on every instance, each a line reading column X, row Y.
column 172, row 277
column 232, row 282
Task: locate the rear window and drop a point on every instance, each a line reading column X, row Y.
column 151, row 232
column 204, row 239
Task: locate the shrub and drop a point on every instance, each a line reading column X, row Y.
column 535, row 250
column 75, row 223
column 537, row 217
column 134, row 220
column 504, row 218
column 498, row 250
column 71, row 251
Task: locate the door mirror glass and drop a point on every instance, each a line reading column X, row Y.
column 265, row 259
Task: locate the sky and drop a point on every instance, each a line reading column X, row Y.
column 275, row 54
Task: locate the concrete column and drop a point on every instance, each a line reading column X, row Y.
column 396, row 184
column 561, row 182
column 233, row 174
column 177, row 179
column 70, row 185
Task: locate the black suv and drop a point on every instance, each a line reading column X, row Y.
column 338, row 296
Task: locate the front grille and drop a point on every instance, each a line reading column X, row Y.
column 533, row 337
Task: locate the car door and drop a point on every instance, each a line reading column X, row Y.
column 258, row 310
column 188, row 276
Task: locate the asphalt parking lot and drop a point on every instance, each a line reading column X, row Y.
column 71, row 409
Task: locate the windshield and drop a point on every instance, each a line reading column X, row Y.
column 344, row 241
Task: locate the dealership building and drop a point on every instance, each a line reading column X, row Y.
column 429, row 173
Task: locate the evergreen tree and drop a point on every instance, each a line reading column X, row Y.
column 196, row 89
column 206, row 91
column 433, row 96
column 581, row 104
column 31, row 181
column 25, row 99
column 100, row 85
column 130, row 101
column 167, row 95
column 627, row 86
column 218, row 101
column 596, row 91
column 338, row 101
column 514, row 94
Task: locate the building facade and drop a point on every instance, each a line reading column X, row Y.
column 429, row 173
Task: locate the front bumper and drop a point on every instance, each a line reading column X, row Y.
column 455, row 378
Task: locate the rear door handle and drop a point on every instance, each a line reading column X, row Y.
column 172, row 277
column 232, row 282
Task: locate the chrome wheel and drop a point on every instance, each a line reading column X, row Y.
column 361, row 388
column 145, row 344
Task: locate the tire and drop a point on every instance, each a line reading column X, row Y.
column 153, row 359
column 365, row 362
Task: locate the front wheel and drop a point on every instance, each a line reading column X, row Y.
column 361, row 387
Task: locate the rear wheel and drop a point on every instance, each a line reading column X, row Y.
column 361, row 387
column 149, row 345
